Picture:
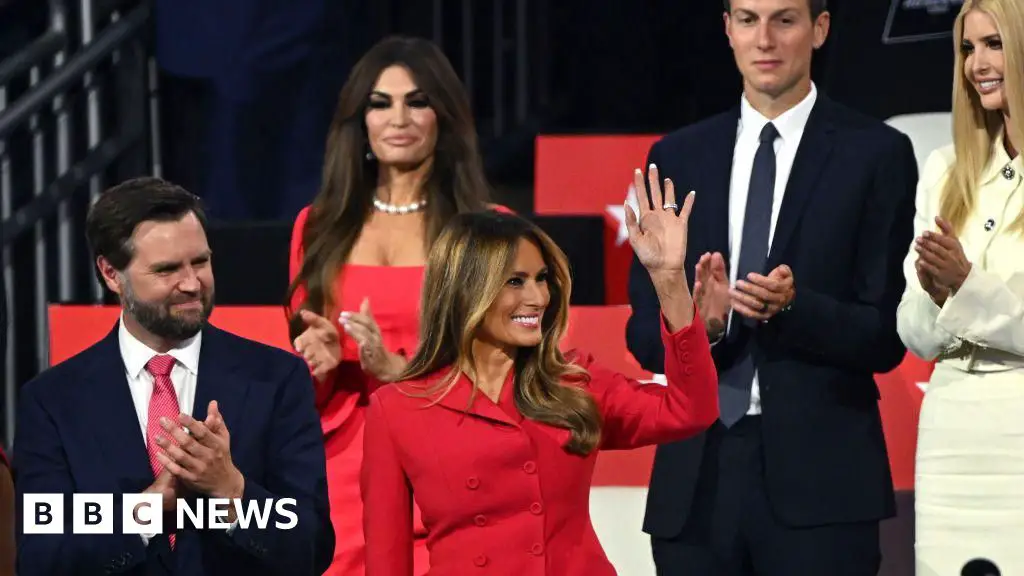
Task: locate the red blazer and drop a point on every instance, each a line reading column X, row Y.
column 498, row 493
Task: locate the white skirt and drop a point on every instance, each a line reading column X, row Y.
column 969, row 485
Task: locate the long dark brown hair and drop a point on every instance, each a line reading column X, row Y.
column 456, row 182
column 466, row 270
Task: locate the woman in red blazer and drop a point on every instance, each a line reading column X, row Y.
column 493, row 431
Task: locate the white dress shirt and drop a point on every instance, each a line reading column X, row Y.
column 790, row 126
column 136, row 355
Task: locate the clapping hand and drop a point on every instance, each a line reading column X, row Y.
column 658, row 235
column 319, row 344
column 760, row 297
column 711, row 292
column 936, row 292
column 942, row 267
column 373, row 357
column 201, row 458
column 166, row 485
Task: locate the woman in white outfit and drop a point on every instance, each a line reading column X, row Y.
column 964, row 307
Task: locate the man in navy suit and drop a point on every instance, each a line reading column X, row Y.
column 169, row 404
column 803, row 215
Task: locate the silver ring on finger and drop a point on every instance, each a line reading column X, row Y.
column 670, row 206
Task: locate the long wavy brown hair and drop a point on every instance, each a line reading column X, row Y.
column 466, row 270
column 974, row 128
column 455, row 184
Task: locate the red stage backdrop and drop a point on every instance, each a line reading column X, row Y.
column 591, row 175
column 599, row 329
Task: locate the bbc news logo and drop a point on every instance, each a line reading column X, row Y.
column 143, row 513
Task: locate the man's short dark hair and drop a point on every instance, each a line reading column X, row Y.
column 817, row 7
column 119, row 210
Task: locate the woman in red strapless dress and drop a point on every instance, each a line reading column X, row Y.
column 401, row 160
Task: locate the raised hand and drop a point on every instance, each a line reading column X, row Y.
column 373, row 357
column 319, row 344
column 942, row 257
column 711, row 292
column 658, row 237
column 658, row 234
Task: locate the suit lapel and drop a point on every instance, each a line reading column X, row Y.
column 715, row 165
column 218, row 381
column 106, row 403
column 458, row 399
column 811, row 158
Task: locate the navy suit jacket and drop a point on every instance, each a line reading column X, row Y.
column 78, row 432
column 844, row 228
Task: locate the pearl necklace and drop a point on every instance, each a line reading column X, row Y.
column 404, row 209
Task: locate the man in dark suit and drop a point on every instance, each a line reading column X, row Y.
column 169, row 404
column 803, row 215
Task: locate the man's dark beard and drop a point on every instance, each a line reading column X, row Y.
column 157, row 319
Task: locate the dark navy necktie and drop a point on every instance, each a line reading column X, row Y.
column 736, row 381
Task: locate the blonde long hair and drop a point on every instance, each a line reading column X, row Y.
column 466, row 270
column 974, row 128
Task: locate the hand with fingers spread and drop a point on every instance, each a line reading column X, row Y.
column 373, row 357
column 201, row 458
column 319, row 344
column 711, row 292
column 760, row 297
column 658, row 237
column 941, row 260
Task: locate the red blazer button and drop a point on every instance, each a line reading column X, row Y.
column 537, row 549
column 480, row 560
column 536, row 508
column 530, row 467
column 472, row 483
column 480, row 520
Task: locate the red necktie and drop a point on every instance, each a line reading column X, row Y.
column 163, row 404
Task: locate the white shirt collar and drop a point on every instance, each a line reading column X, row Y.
column 136, row 354
column 790, row 123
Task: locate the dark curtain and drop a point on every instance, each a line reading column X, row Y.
column 652, row 67
column 910, row 73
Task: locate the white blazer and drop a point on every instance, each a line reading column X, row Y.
column 981, row 327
